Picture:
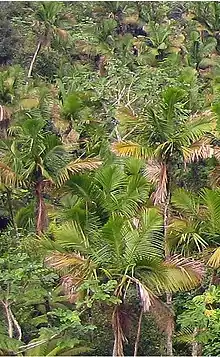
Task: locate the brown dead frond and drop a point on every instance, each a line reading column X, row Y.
column 69, row 285
column 163, row 315
column 7, row 176
column 200, row 150
column 63, row 34
column 63, row 261
column 157, row 173
column 119, row 337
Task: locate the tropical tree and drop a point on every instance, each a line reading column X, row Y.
column 47, row 25
column 37, row 158
column 194, row 226
column 127, row 250
column 166, row 135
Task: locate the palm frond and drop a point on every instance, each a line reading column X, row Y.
column 184, row 236
column 74, row 268
column 131, row 149
column 195, row 128
column 76, row 167
column 186, row 201
column 70, row 235
column 61, row 261
column 211, row 200
column 119, row 337
column 156, row 172
column 146, row 242
column 214, row 260
column 201, row 149
column 7, row 176
column 183, row 273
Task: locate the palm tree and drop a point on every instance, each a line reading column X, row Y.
column 124, row 244
column 48, row 20
column 167, row 134
column 194, row 226
column 35, row 157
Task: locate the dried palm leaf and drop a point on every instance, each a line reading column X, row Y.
column 7, row 176
column 119, row 337
column 63, row 34
column 201, row 149
column 62, row 261
column 214, row 260
column 157, row 173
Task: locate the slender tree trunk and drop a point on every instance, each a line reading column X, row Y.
column 169, row 330
column 169, row 341
column 8, row 317
column 118, row 334
column 196, row 347
column 214, row 278
column 10, row 208
column 138, row 333
column 16, row 324
column 41, row 214
column 34, row 59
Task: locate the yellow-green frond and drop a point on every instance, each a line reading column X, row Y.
column 77, row 166
column 183, row 273
column 214, row 260
column 128, row 148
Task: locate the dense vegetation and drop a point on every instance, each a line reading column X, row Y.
column 109, row 178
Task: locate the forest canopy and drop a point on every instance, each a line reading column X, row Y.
column 109, row 178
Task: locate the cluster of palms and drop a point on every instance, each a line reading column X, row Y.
column 125, row 221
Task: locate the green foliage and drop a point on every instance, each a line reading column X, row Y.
column 109, row 175
column 203, row 314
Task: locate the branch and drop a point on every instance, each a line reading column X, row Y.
column 16, row 324
column 10, row 324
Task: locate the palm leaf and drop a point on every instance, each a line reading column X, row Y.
column 201, row 149
column 70, row 235
column 145, row 243
column 211, row 200
column 183, row 273
column 185, row 201
column 214, row 260
column 76, row 167
column 157, row 173
column 131, row 149
column 119, row 336
column 195, row 128
column 7, row 176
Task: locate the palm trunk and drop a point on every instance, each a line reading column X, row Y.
column 169, row 340
column 8, row 317
column 138, row 333
column 214, row 278
column 34, row 59
column 10, row 208
column 118, row 334
column 196, row 347
column 169, row 330
column 16, row 324
column 41, row 214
